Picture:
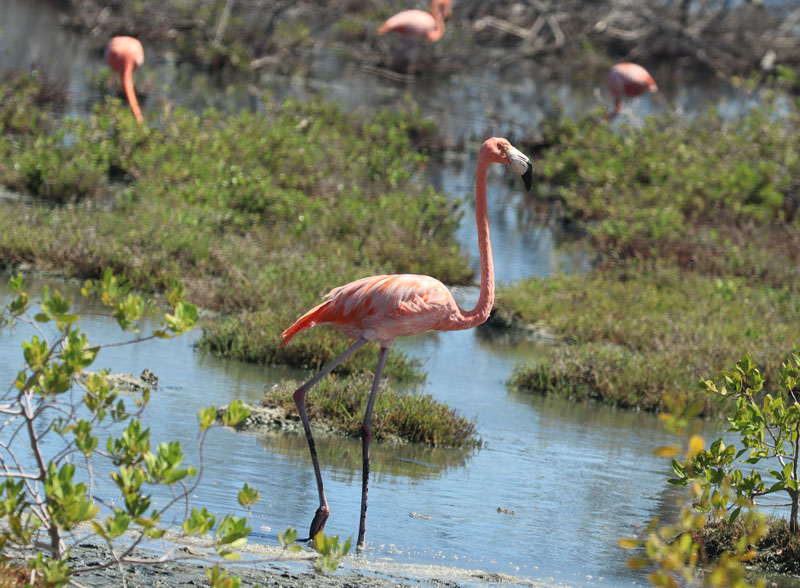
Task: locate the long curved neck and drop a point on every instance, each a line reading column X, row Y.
column 616, row 111
column 479, row 314
column 130, row 94
column 436, row 11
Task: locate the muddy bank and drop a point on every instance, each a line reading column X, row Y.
column 278, row 570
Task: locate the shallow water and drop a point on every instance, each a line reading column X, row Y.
column 569, row 480
column 576, row 478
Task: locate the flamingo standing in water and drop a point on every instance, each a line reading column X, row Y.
column 628, row 80
column 419, row 25
column 382, row 308
column 125, row 54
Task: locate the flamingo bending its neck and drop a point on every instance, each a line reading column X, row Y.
column 124, row 55
column 382, row 308
column 627, row 80
column 418, row 23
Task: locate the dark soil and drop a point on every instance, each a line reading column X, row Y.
column 778, row 551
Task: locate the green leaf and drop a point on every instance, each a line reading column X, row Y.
column 248, row 496
column 235, row 413
column 206, row 417
column 228, row 554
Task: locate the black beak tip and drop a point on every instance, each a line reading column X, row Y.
column 527, row 177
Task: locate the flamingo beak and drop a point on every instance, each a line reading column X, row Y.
column 520, row 162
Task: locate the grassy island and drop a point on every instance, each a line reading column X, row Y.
column 698, row 243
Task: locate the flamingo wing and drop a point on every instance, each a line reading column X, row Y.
column 381, row 308
column 630, row 79
column 413, row 23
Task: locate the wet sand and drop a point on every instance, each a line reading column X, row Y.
column 273, row 567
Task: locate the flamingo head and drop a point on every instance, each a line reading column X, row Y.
column 123, row 51
column 499, row 150
column 445, row 6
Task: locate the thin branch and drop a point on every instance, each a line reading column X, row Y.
column 10, row 441
column 22, row 475
column 223, row 21
column 121, row 343
column 6, row 409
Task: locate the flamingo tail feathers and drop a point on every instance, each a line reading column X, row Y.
column 308, row 320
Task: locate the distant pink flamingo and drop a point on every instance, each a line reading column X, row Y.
column 382, row 308
column 628, row 80
column 125, row 54
column 419, row 25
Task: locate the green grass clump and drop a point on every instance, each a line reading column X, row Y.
column 409, row 416
column 27, row 101
column 699, row 192
column 631, row 336
column 258, row 214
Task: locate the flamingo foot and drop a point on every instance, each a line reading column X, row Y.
column 318, row 524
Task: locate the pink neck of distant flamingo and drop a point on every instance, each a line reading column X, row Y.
column 617, row 108
column 480, row 313
column 130, row 94
column 438, row 16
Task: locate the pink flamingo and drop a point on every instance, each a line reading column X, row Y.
column 419, row 24
column 628, row 80
column 125, row 54
column 382, row 308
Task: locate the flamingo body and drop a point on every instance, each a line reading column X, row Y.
column 384, row 307
column 418, row 25
column 628, row 80
column 124, row 55
column 413, row 23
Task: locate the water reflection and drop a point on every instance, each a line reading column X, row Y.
column 388, row 460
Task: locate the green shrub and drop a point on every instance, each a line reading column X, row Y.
column 710, row 193
column 410, row 416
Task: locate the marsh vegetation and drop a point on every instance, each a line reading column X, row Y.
column 693, row 220
column 695, row 227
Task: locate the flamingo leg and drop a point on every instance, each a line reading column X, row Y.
column 318, row 523
column 412, row 59
column 366, row 437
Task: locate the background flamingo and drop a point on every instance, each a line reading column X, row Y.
column 628, row 80
column 125, row 54
column 419, row 25
column 382, row 308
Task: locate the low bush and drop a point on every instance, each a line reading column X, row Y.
column 409, row 416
